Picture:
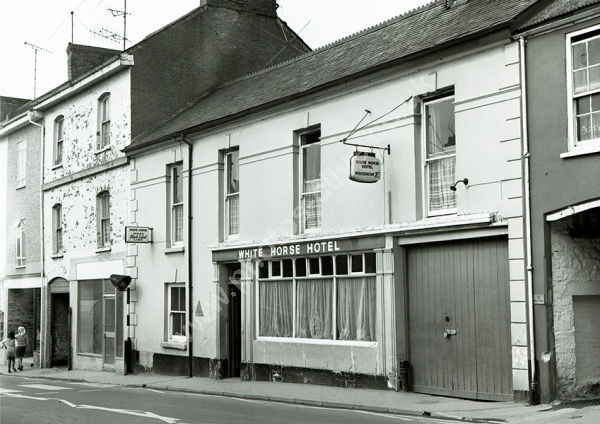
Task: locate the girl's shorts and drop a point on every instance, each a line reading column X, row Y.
column 10, row 356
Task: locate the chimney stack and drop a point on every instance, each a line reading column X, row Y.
column 260, row 7
column 81, row 59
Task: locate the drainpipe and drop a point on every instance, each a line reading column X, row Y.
column 533, row 373
column 34, row 114
column 189, row 256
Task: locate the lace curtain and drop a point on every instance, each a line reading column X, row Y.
column 276, row 310
column 313, row 309
column 356, row 308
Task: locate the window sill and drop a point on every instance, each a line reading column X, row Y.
column 433, row 214
column 20, row 187
column 57, row 255
column 325, row 342
column 102, row 150
column 174, row 249
column 20, row 267
column 57, row 166
column 93, row 355
column 580, row 151
column 172, row 344
column 104, row 249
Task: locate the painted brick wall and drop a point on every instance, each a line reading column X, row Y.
column 575, row 263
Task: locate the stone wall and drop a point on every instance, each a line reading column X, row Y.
column 21, row 313
column 575, row 269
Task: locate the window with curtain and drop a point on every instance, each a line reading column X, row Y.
column 20, row 243
column 176, row 312
column 21, row 163
column 310, row 197
column 175, row 201
column 103, row 121
column 58, row 139
column 326, row 297
column 584, row 88
column 103, row 218
column 57, row 231
column 440, row 155
column 232, row 193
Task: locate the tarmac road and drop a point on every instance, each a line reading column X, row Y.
column 44, row 401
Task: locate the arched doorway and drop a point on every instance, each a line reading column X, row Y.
column 60, row 326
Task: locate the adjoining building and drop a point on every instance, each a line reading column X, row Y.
column 561, row 42
column 287, row 271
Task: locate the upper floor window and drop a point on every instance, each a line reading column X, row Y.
column 21, row 163
column 175, row 202
column 57, row 231
column 103, row 121
column 440, row 155
column 58, row 139
column 584, row 87
column 20, row 243
column 232, row 193
column 103, row 218
column 310, row 181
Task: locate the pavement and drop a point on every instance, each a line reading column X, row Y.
column 381, row 401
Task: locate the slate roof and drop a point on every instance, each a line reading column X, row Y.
column 556, row 9
column 430, row 26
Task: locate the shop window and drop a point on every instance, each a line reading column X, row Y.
column 21, row 163
column 103, row 219
column 232, row 193
column 20, row 243
column 583, row 53
column 301, row 304
column 103, row 133
column 310, row 190
column 57, row 231
column 440, row 155
column 176, row 312
column 175, row 204
column 58, row 139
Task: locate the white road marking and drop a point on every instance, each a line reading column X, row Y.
column 42, row 387
column 3, row 390
column 98, row 385
column 144, row 414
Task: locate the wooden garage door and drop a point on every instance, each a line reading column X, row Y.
column 459, row 318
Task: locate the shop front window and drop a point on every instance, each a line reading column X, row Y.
column 326, row 297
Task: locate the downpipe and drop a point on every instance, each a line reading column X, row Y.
column 189, row 261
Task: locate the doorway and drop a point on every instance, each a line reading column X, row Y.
column 112, row 312
column 234, row 321
column 59, row 329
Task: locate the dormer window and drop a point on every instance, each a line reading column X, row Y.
column 103, row 121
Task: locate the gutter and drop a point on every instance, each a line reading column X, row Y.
column 190, row 320
column 534, row 397
column 34, row 114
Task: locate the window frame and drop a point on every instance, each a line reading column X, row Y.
column 425, row 178
column 172, row 205
column 227, row 195
column 20, row 257
column 303, row 194
column 59, row 128
column 312, row 276
column 21, row 164
column 103, row 133
column 574, row 145
column 170, row 337
column 57, row 229
column 102, row 217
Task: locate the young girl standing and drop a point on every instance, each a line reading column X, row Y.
column 21, row 341
column 9, row 344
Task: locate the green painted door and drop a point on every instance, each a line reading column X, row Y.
column 459, row 318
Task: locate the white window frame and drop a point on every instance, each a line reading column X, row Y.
column 575, row 146
column 103, row 219
column 301, row 193
column 57, row 229
column 310, row 276
column 103, row 121
column 228, row 196
column 59, row 128
column 170, row 312
column 21, row 163
column 427, row 161
column 20, row 244
column 173, row 205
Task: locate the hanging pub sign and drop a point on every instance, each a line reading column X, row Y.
column 365, row 167
column 138, row 235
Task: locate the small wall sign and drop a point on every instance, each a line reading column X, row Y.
column 365, row 167
column 138, row 235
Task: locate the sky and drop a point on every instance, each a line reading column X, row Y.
column 47, row 24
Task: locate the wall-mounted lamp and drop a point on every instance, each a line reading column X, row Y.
column 465, row 182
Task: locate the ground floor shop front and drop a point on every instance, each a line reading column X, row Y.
column 424, row 312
